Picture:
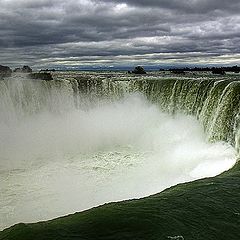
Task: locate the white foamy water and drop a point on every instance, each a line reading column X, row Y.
column 57, row 164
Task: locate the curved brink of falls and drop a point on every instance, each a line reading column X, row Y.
column 204, row 209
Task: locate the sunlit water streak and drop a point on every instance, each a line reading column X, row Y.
column 53, row 165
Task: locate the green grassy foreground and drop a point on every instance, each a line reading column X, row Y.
column 204, row 209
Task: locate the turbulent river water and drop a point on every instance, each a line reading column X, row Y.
column 58, row 157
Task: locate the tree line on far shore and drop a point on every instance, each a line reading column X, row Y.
column 214, row 70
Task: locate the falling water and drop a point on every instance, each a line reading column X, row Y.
column 70, row 145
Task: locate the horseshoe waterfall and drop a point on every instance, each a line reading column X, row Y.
column 116, row 156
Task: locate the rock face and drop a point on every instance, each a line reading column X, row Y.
column 41, row 76
column 5, row 71
column 139, row 70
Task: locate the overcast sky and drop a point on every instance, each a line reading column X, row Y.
column 50, row 33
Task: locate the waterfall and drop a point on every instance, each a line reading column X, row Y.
column 77, row 141
column 215, row 103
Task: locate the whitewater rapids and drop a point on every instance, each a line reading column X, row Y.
column 56, row 164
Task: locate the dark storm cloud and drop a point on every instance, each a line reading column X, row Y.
column 187, row 6
column 78, row 32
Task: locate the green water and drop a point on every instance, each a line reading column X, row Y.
column 203, row 209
